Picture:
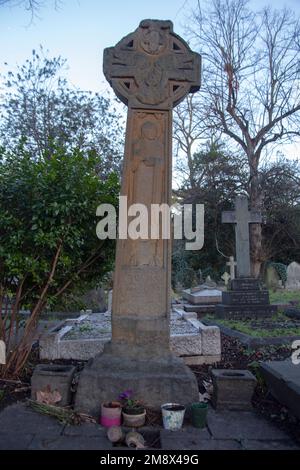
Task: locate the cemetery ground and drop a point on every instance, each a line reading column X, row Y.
column 278, row 329
column 235, row 355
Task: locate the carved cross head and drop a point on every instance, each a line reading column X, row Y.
column 152, row 68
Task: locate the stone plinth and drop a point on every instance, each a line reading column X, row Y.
column 154, row 380
column 53, row 377
column 245, row 299
column 233, row 389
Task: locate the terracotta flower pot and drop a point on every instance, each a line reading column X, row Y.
column 111, row 414
column 132, row 419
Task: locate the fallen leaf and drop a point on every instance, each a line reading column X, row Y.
column 48, row 396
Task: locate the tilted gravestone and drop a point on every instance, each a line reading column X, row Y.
column 151, row 70
column 245, row 298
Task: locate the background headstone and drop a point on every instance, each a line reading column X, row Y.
column 293, row 276
column 271, row 278
column 242, row 217
column 226, row 278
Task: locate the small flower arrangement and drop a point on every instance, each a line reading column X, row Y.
column 130, row 405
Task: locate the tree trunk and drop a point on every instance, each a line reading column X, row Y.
column 256, row 200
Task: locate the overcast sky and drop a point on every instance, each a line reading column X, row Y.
column 79, row 30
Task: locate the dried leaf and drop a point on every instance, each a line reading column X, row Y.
column 48, row 397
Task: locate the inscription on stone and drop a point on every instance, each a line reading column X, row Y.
column 245, row 297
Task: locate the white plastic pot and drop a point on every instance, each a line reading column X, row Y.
column 173, row 414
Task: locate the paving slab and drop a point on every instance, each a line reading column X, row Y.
column 71, row 443
column 85, row 430
column 242, row 425
column 15, row 441
column 254, row 444
column 22, row 428
column 191, row 438
column 219, row 444
column 19, row 418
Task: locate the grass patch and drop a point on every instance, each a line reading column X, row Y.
column 284, row 296
column 255, row 330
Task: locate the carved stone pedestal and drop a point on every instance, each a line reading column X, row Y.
column 154, row 380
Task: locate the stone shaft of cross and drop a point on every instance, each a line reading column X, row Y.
column 242, row 217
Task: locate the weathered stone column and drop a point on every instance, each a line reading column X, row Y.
column 151, row 71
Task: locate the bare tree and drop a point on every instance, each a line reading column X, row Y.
column 251, row 88
column 33, row 6
column 188, row 132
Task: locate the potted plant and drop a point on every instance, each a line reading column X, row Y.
column 111, row 414
column 133, row 411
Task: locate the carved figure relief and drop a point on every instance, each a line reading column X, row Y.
column 146, row 183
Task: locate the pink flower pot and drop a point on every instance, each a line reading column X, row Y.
column 111, row 414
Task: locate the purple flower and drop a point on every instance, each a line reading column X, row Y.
column 125, row 395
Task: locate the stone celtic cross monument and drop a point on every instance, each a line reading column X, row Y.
column 151, row 70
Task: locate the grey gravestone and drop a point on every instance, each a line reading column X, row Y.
column 293, row 276
column 242, row 217
column 272, row 278
column 245, row 298
column 283, row 380
column 151, row 70
column 203, row 296
column 95, row 300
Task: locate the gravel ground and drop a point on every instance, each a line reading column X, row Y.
column 99, row 324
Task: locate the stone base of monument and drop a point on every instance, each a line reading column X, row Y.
column 245, row 299
column 153, row 379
